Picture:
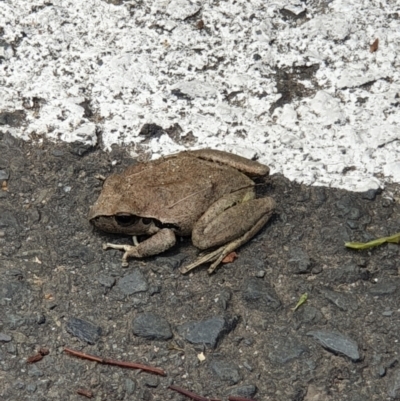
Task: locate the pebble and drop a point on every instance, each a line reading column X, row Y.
column 224, row 298
column 31, row 388
column 344, row 302
column 130, row 386
column 383, row 288
column 4, row 175
column 347, row 274
column 84, row 330
column 151, row 381
column 299, row 262
column 5, row 338
column 106, row 281
column 207, row 332
column 133, row 283
column 393, row 387
column 8, row 220
column 337, row 343
column 172, row 262
column 258, row 293
column 309, row 314
column 318, row 195
column 248, row 391
column 284, row 351
column 226, row 371
column 151, row 327
column 371, row 194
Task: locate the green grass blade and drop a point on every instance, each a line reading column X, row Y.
column 376, row 242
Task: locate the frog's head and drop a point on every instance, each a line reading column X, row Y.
column 114, row 212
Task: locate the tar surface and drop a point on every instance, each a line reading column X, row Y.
column 232, row 333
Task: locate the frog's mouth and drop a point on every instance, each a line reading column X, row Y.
column 130, row 224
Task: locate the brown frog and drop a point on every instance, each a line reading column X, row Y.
column 204, row 193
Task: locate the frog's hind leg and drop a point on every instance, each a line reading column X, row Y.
column 229, row 229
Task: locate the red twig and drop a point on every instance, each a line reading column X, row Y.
column 39, row 356
column 237, row 398
column 114, row 362
column 84, row 392
column 190, row 394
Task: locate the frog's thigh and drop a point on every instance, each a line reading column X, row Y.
column 230, row 224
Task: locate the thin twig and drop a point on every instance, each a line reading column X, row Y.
column 114, row 362
column 84, row 392
column 190, row 394
column 39, row 356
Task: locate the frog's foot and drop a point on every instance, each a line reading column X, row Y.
column 219, row 254
column 159, row 242
column 130, row 250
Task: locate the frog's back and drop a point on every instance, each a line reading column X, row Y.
column 177, row 190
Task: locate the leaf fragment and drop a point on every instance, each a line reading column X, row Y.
column 302, row 300
column 395, row 238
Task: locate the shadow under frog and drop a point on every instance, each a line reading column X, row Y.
column 204, row 193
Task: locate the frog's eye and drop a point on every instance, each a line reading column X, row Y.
column 146, row 221
column 125, row 220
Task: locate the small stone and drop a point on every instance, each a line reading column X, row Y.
column 345, row 302
column 347, row 274
column 133, row 283
column 4, row 175
column 308, row 314
column 371, row 194
column 130, row 386
column 258, row 293
column 207, row 332
column 5, row 338
column 248, row 366
column 80, row 149
column 381, row 371
column 31, row 388
column 260, row 274
column 352, row 224
column 244, row 391
column 284, row 351
column 151, row 381
column 106, row 281
column 224, row 298
column 173, row 262
column 318, row 195
column 151, row 327
column 84, row 330
column 225, row 371
column 299, row 262
column 154, row 289
column 57, row 153
column 393, row 386
column 383, row 288
column 337, row 343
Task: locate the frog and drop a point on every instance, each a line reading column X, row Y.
column 207, row 194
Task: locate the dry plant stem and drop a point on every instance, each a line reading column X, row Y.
column 39, row 356
column 191, row 395
column 236, row 398
column 122, row 364
column 84, row 392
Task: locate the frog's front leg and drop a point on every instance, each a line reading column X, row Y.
column 229, row 223
column 157, row 243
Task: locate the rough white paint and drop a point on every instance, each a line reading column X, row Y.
column 128, row 59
